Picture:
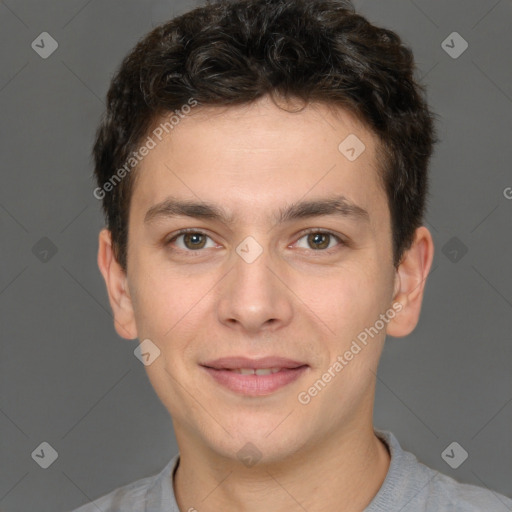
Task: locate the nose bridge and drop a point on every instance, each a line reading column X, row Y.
column 252, row 297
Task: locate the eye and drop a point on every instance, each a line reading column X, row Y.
column 320, row 240
column 191, row 240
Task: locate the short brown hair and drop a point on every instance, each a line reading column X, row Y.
column 235, row 52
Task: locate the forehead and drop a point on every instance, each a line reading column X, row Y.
column 255, row 158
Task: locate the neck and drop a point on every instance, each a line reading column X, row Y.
column 344, row 473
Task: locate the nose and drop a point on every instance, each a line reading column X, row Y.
column 254, row 296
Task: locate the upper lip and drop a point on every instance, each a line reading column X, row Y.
column 233, row 363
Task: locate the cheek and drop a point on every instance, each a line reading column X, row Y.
column 175, row 311
column 160, row 301
column 353, row 300
column 355, row 284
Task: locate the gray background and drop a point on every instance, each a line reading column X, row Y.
column 67, row 378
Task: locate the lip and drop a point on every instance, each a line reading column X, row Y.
column 254, row 385
column 232, row 363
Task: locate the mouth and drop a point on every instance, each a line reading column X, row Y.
column 253, row 371
column 254, row 377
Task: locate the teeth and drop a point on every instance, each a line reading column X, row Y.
column 259, row 371
column 264, row 371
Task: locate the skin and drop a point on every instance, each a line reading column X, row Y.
column 294, row 301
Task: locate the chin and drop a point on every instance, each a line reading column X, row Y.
column 257, row 435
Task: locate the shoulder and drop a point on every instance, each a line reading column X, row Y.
column 411, row 486
column 447, row 492
column 135, row 496
column 128, row 498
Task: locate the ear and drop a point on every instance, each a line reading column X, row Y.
column 410, row 279
column 117, row 288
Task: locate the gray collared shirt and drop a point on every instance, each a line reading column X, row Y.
column 409, row 486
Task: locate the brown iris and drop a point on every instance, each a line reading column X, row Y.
column 193, row 238
column 315, row 239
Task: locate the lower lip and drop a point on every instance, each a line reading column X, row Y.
column 256, row 385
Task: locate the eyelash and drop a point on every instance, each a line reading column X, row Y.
column 305, row 233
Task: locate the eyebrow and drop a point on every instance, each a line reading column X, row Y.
column 338, row 205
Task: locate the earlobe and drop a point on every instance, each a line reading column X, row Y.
column 117, row 287
column 410, row 283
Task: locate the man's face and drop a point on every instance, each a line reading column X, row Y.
column 305, row 297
